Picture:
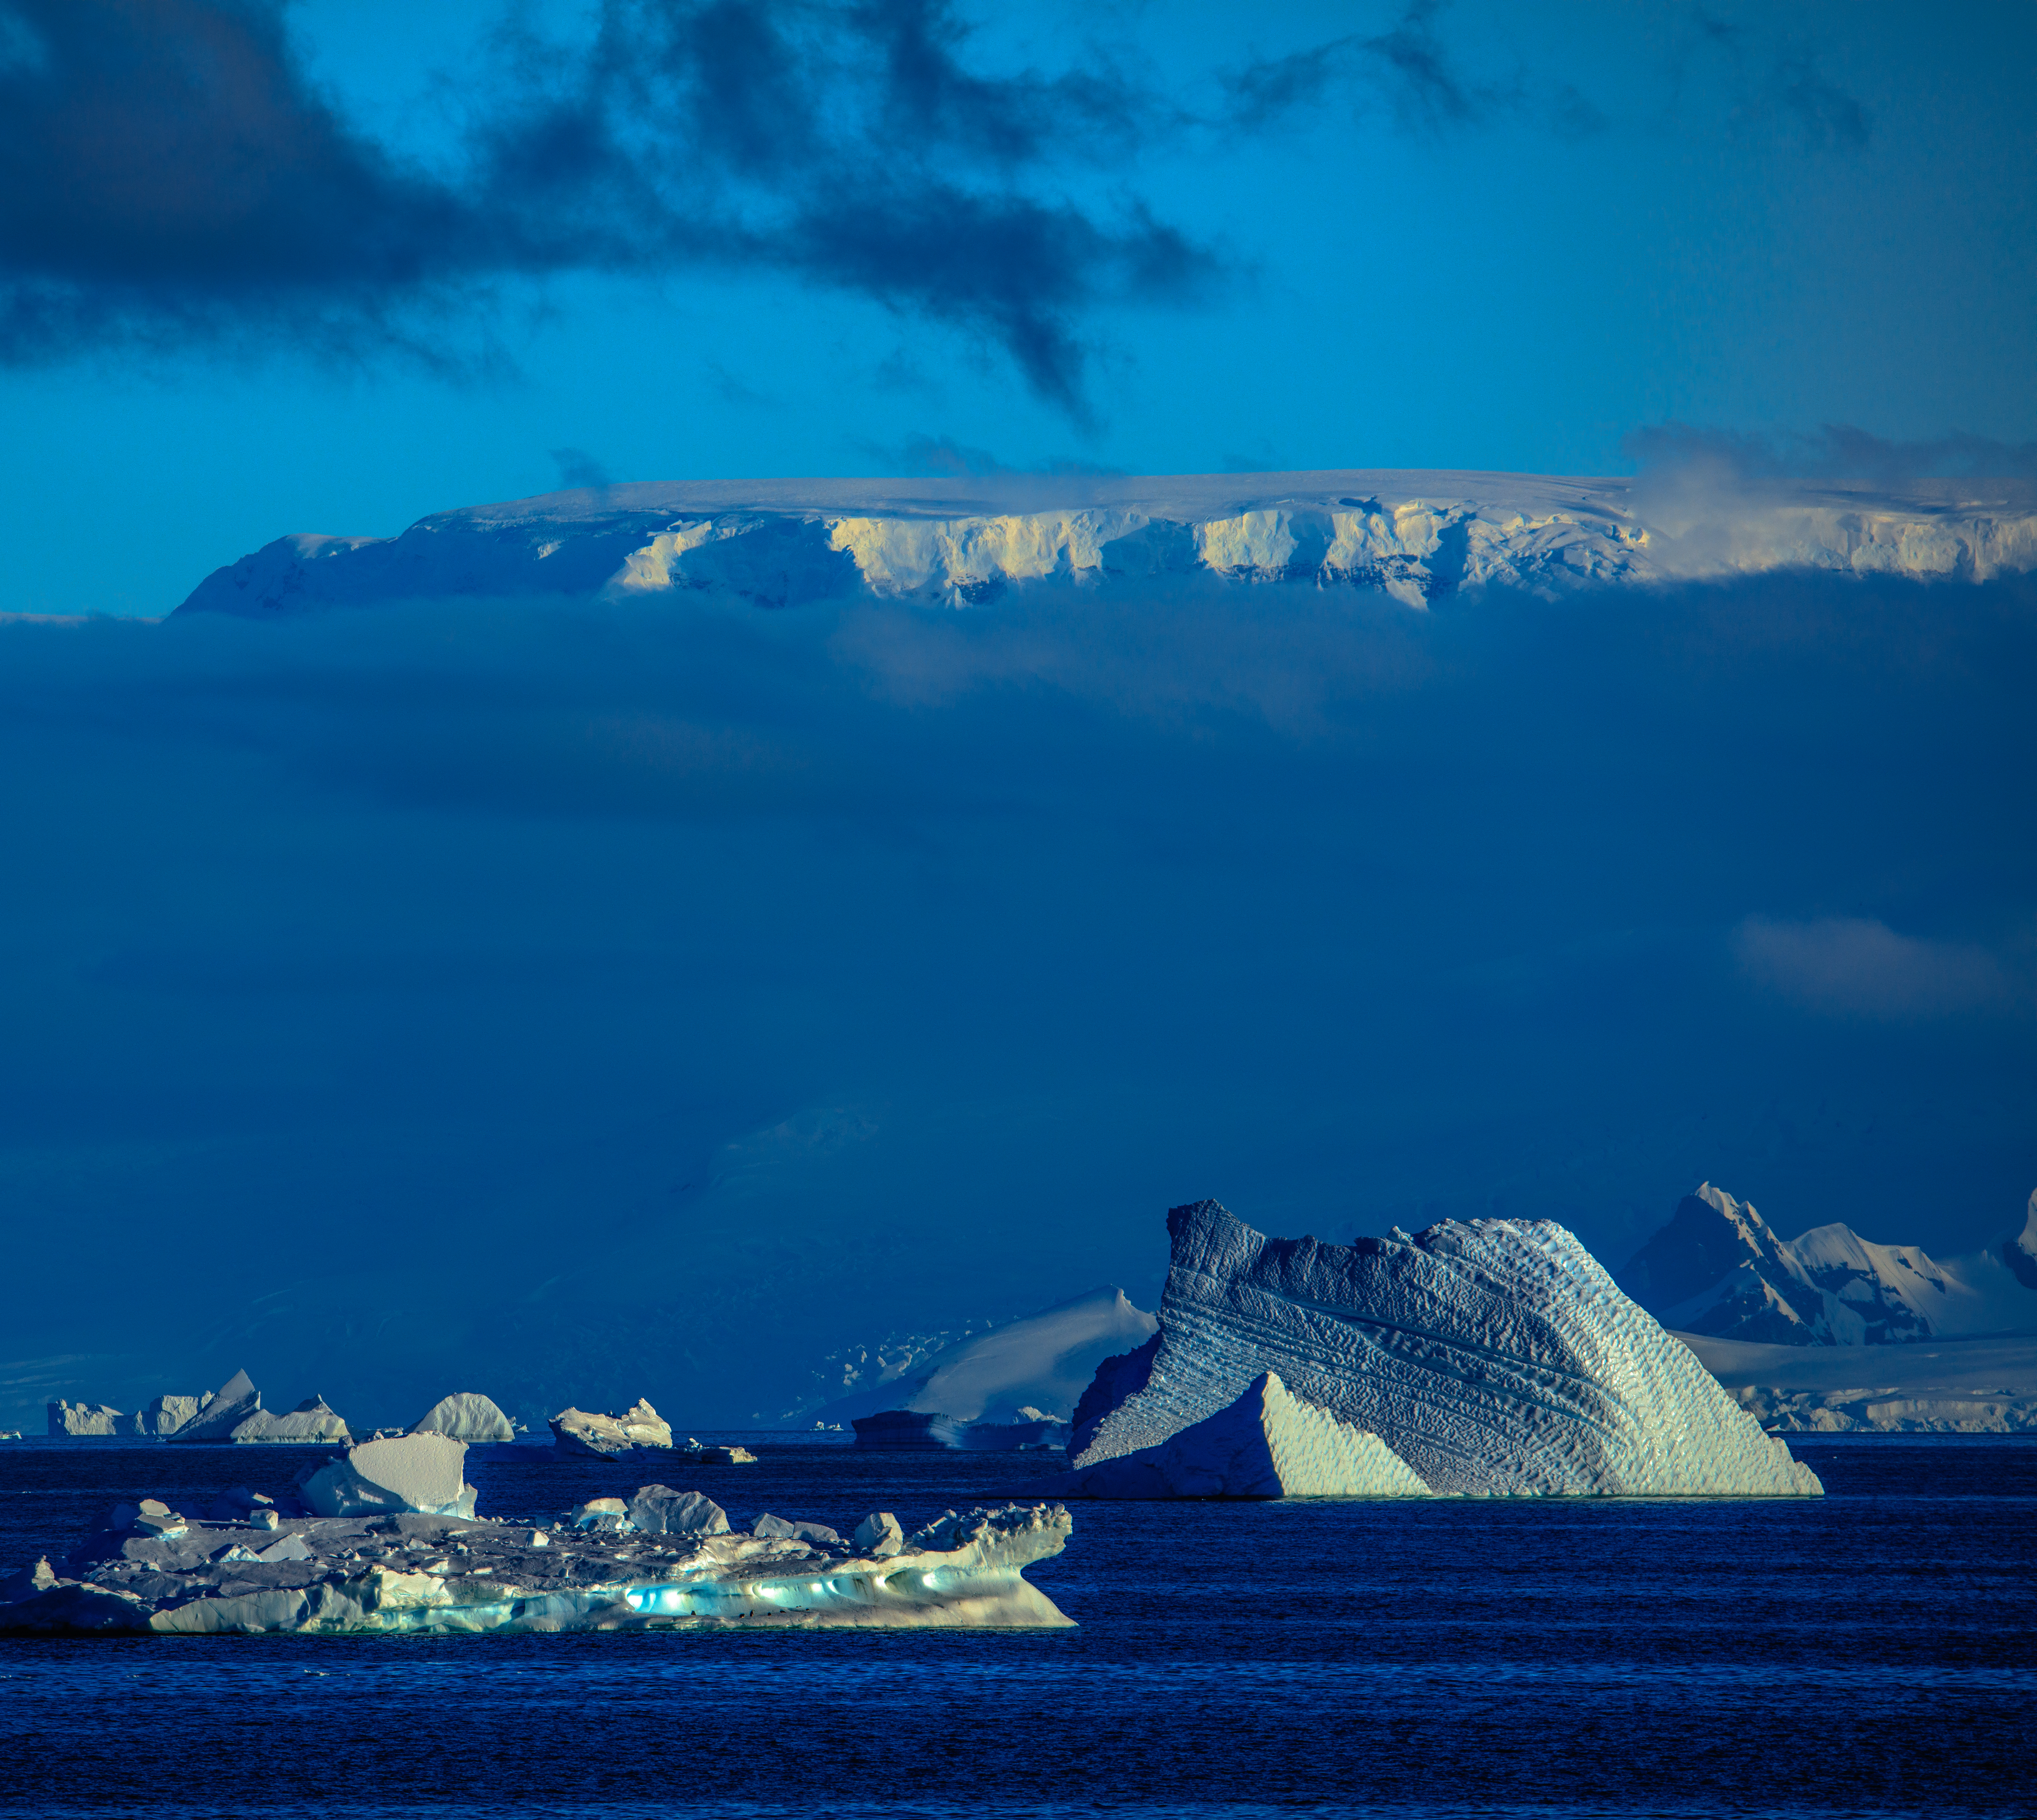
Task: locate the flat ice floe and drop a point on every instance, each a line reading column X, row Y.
column 1491, row 1357
column 661, row 1559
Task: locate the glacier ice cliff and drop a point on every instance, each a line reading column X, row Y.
column 1491, row 1357
column 1411, row 536
column 1718, row 1268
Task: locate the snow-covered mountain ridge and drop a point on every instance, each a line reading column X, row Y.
column 1718, row 1268
column 1412, row 536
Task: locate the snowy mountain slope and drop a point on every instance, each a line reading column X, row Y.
column 1413, row 536
column 2020, row 1253
column 1042, row 1362
column 1718, row 1268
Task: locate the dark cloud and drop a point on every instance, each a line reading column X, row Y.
column 1266, row 90
column 168, row 176
column 1837, row 451
column 579, row 469
column 1778, row 81
column 1429, row 84
column 1821, row 114
column 1414, row 67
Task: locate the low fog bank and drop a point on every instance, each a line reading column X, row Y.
column 576, row 1004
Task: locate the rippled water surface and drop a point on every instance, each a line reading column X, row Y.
column 1868, row 1653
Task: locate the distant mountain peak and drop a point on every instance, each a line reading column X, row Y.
column 1718, row 1268
column 2020, row 1252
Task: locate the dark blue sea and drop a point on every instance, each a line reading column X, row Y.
column 1873, row 1653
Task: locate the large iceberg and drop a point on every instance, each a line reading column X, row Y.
column 1410, row 536
column 1491, row 1357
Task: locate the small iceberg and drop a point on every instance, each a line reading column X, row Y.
column 639, row 1429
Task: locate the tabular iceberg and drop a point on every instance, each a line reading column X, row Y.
column 1491, row 1357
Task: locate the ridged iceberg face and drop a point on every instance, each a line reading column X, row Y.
column 1493, row 1356
column 1268, row 1444
column 1412, row 536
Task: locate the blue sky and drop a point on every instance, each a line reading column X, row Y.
column 577, row 1002
column 1457, row 236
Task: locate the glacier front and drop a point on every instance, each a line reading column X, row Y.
column 1491, row 1357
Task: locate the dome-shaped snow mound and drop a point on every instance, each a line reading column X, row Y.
column 1493, row 1356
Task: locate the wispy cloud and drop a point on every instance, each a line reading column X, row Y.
column 1824, row 115
column 1832, row 451
column 1777, row 79
column 927, row 455
column 1851, row 965
column 1416, row 68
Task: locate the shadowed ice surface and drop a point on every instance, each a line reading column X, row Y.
column 1867, row 1654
